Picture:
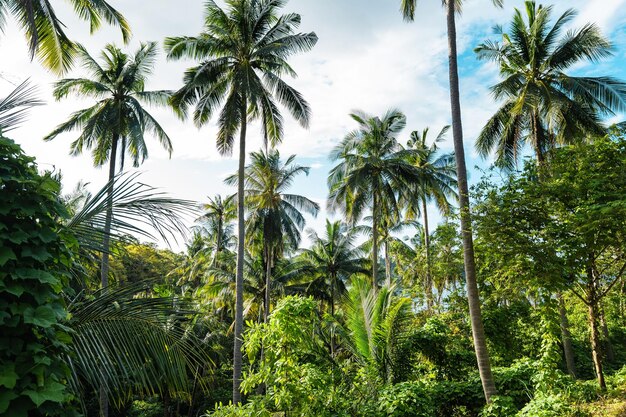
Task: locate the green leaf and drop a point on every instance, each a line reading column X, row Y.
column 43, row 316
column 51, row 391
column 36, row 252
column 30, row 273
column 8, row 376
column 6, row 254
column 5, row 398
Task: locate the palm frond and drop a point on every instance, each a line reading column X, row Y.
column 14, row 108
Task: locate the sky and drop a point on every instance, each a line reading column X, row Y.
column 367, row 58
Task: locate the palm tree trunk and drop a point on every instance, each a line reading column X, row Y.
column 333, row 278
column 104, row 267
column 218, row 244
column 538, row 139
column 268, row 277
column 387, row 263
column 566, row 337
column 478, row 331
column 237, row 356
column 429, row 278
column 106, row 244
column 374, row 243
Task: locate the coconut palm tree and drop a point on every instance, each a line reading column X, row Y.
column 334, row 258
column 437, row 183
column 216, row 221
column 273, row 213
column 376, row 321
column 117, row 123
column 44, row 30
column 243, row 52
column 478, row 332
column 372, row 170
column 543, row 105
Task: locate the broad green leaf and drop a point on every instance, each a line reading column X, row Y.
column 43, row 316
column 6, row 254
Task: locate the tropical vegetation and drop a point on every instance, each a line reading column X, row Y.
column 420, row 293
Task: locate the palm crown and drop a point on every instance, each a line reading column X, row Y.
column 243, row 53
column 543, row 105
column 118, row 117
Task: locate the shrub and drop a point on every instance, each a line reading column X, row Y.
column 34, row 265
column 407, row 399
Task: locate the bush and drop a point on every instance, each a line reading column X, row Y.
column 34, row 265
column 407, row 399
column 550, row 406
column 499, row 407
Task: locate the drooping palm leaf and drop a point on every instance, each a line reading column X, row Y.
column 15, row 106
column 131, row 345
column 138, row 209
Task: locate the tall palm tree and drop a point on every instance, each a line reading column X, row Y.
column 334, row 258
column 218, row 215
column 118, row 122
column 372, row 170
column 243, row 53
column 543, row 105
column 44, row 30
column 274, row 213
column 478, row 331
column 436, row 182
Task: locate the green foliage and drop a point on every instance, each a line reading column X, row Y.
column 295, row 367
column 550, row 406
column 407, row 399
column 34, row 265
column 499, row 407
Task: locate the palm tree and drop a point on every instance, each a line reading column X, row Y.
column 375, row 322
column 118, row 119
column 274, row 213
column 543, row 105
column 44, row 30
column 371, row 172
column 243, row 52
column 334, row 258
column 217, row 219
column 437, row 181
column 478, row 331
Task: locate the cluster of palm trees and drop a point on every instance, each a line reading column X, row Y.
column 242, row 58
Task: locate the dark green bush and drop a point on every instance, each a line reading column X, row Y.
column 34, row 265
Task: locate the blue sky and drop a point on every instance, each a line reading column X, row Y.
column 367, row 58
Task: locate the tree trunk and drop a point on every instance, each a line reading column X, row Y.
column 106, row 245
column 237, row 355
column 218, row 243
column 333, row 278
column 375, row 243
column 268, row 277
column 166, row 404
column 566, row 337
column 387, row 264
column 538, row 139
column 596, row 348
column 429, row 278
column 608, row 346
column 478, row 332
